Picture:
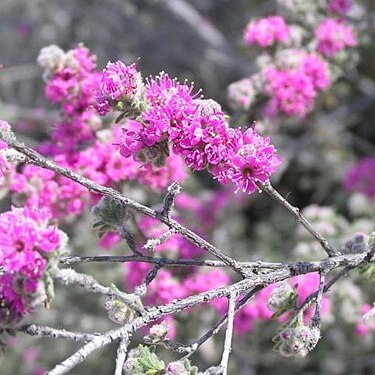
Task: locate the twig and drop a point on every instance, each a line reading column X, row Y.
column 316, row 319
column 166, row 261
column 267, row 187
column 126, row 235
column 141, row 290
column 153, row 242
column 221, row 323
column 308, row 300
column 169, row 198
column 71, row 277
column 121, row 355
column 229, row 334
column 44, row 331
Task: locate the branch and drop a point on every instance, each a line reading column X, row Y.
column 43, row 331
column 158, row 312
column 141, row 290
column 308, row 300
column 220, row 324
column 170, row 198
column 126, row 235
column 153, row 242
column 121, row 355
column 228, row 334
column 167, row 262
column 316, row 319
column 300, row 218
column 39, row 160
column 71, row 277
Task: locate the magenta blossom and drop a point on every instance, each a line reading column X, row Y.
column 361, row 177
column 340, row 7
column 253, row 163
column 119, row 83
column 265, row 32
column 25, row 239
column 334, row 36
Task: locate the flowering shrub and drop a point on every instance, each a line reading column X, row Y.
column 122, row 145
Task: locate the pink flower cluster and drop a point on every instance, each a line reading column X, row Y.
column 197, row 130
column 26, row 243
column 334, row 36
column 120, row 85
column 361, row 177
column 293, row 90
column 340, row 7
column 267, row 31
column 73, row 82
column 294, row 85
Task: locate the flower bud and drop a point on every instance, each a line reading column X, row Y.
column 158, row 333
column 107, row 215
column 298, row 341
column 356, row 245
column 118, row 311
column 280, row 298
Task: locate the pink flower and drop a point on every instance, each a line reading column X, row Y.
column 109, row 240
column 292, row 91
column 130, row 138
column 253, row 163
column 317, row 70
column 334, row 36
column 245, row 319
column 306, row 285
column 265, row 32
column 361, row 177
column 158, row 178
column 25, row 235
column 119, row 83
column 340, row 7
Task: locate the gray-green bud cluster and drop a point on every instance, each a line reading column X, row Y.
column 355, row 245
column 297, row 341
column 118, row 311
column 282, row 299
column 107, row 215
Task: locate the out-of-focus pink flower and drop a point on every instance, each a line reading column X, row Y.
column 361, row 177
column 334, row 36
column 340, row 7
column 265, row 32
